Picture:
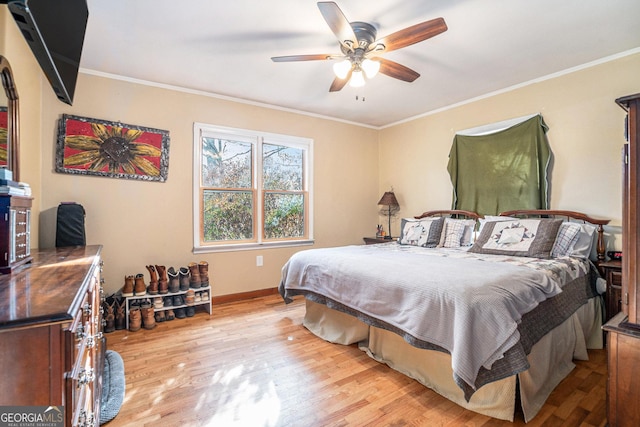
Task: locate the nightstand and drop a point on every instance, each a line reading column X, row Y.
column 374, row 240
column 612, row 272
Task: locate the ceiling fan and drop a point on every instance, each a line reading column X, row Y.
column 361, row 50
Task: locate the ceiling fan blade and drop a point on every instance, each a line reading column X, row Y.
column 290, row 58
column 339, row 83
column 338, row 23
column 410, row 35
column 397, row 71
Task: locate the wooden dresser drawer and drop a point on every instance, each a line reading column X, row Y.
column 51, row 330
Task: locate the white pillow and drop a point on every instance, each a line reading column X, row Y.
column 583, row 246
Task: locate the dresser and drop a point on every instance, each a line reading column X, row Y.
column 623, row 337
column 15, row 232
column 51, row 343
column 612, row 272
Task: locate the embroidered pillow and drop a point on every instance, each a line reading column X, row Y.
column 566, row 239
column 526, row 237
column 423, row 232
column 453, row 233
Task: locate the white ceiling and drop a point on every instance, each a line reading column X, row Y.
column 224, row 48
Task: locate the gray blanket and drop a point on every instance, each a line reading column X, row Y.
column 468, row 305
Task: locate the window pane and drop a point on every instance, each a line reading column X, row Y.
column 228, row 215
column 226, row 163
column 282, row 167
column 284, row 215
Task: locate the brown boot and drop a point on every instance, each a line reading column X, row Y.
column 153, row 283
column 203, row 269
column 194, row 282
column 109, row 316
column 148, row 316
column 135, row 319
column 139, row 287
column 127, row 289
column 184, row 278
column 120, row 315
column 163, row 282
column 174, row 280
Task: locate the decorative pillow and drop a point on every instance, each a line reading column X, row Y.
column 524, row 237
column 511, row 236
column 566, row 238
column 493, row 218
column 583, row 245
column 467, row 236
column 453, row 233
column 423, row 232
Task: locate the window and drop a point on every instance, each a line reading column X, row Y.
column 250, row 189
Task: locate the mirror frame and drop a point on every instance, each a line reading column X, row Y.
column 13, row 118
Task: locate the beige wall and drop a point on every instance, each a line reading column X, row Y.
column 585, row 134
column 141, row 223
column 29, row 81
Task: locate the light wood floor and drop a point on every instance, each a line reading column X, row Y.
column 252, row 363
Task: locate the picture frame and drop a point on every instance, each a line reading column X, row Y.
column 87, row 146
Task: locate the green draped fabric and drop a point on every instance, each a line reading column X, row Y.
column 501, row 171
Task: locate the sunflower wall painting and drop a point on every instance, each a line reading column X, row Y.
column 111, row 149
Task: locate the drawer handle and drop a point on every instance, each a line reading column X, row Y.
column 80, row 333
column 86, row 420
column 86, row 308
column 85, row 377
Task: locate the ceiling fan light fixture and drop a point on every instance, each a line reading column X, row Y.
column 357, row 79
column 370, row 67
column 342, row 68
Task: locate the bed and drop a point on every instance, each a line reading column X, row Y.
column 488, row 312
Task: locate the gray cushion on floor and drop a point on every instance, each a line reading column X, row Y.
column 112, row 386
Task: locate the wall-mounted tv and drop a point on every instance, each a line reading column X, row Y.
column 55, row 33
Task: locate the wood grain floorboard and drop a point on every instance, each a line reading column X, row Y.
column 252, row 363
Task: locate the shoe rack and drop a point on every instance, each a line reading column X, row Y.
column 206, row 303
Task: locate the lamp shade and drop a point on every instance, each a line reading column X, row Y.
column 357, row 78
column 388, row 199
column 342, row 68
column 370, row 67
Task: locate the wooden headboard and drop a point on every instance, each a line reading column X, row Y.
column 455, row 213
column 569, row 216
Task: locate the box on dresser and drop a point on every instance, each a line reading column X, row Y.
column 51, row 343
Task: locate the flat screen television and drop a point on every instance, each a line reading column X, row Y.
column 55, row 33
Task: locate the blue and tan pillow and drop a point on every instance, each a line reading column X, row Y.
column 423, row 232
column 522, row 237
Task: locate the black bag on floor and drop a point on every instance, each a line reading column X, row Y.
column 70, row 225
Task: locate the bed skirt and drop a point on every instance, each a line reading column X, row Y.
column 551, row 358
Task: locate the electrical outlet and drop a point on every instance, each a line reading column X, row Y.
column 259, row 261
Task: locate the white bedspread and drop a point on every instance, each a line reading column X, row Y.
column 468, row 304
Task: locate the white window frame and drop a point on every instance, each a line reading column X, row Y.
column 257, row 138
